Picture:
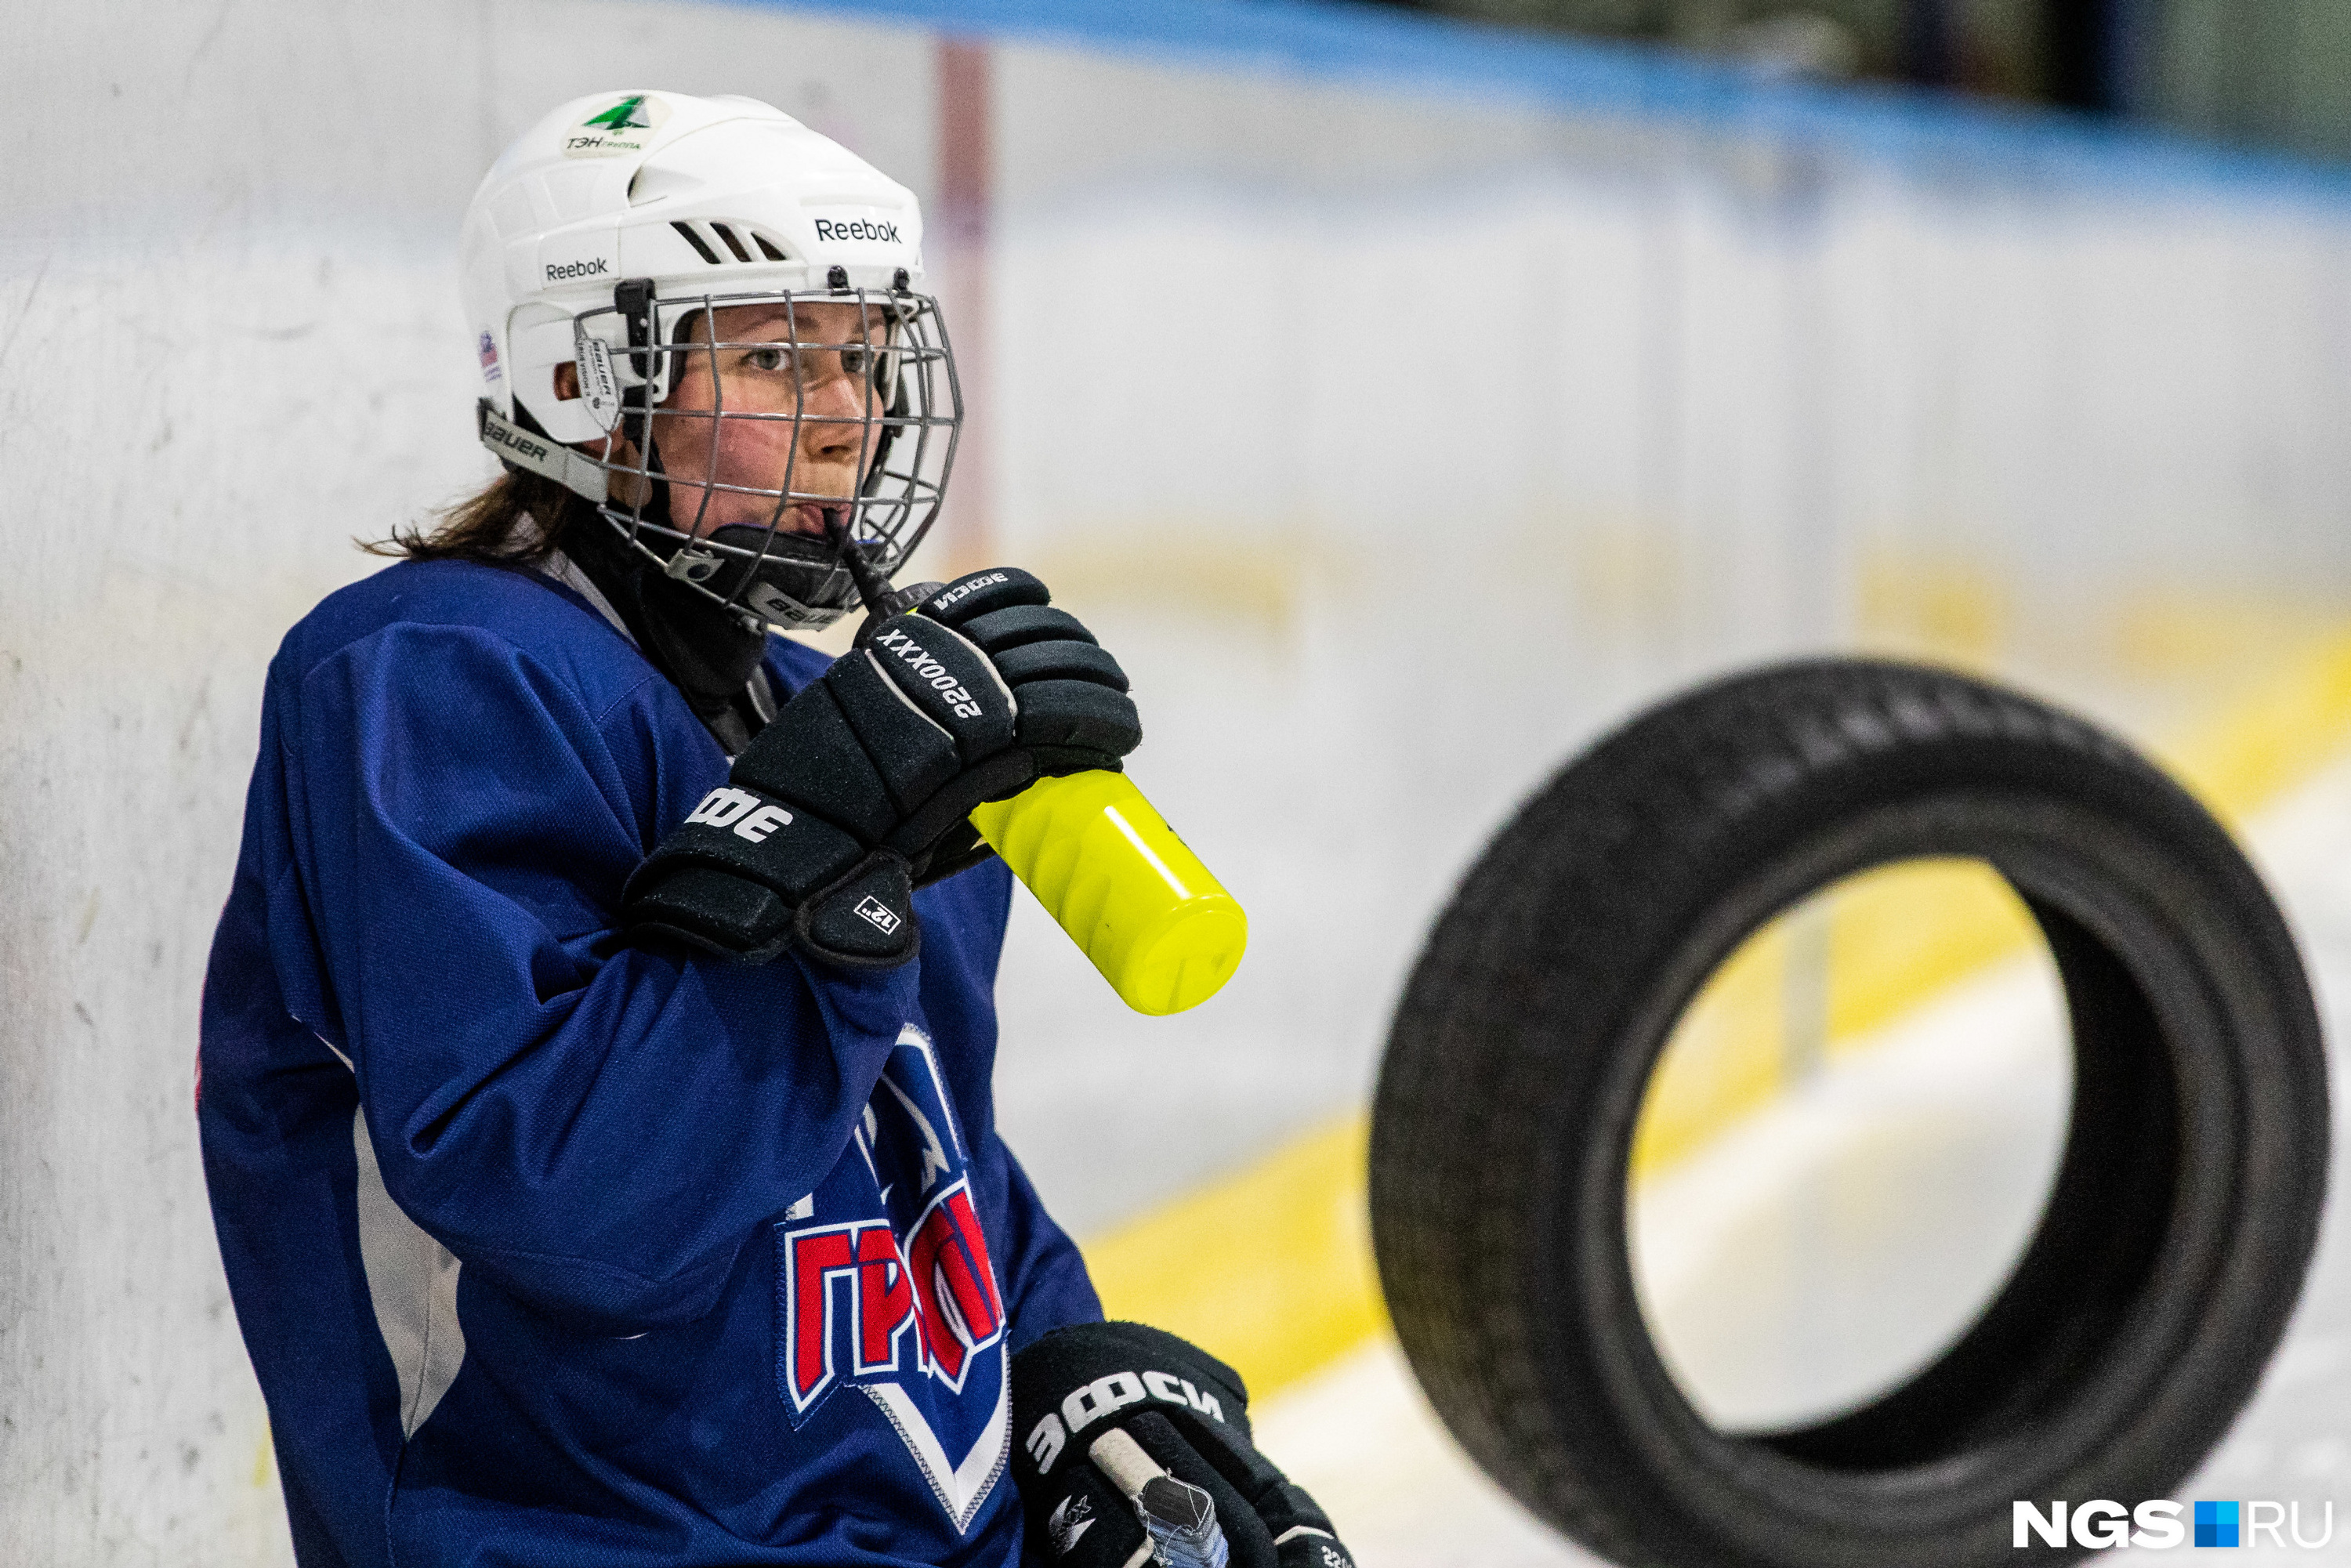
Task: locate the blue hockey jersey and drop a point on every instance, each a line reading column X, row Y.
column 548, row 1249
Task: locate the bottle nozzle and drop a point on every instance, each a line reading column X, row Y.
column 881, row 600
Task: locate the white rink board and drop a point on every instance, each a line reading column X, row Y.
column 1707, row 377
column 1399, row 446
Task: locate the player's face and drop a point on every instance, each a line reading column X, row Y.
column 812, row 360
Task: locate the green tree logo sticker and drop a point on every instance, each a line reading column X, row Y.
column 627, row 114
column 621, row 128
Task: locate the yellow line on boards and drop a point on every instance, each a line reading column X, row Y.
column 2242, row 758
column 1272, row 1269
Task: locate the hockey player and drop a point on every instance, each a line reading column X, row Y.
column 595, row 1083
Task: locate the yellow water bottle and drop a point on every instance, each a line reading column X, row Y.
column 1132, row 895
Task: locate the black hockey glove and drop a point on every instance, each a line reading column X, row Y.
column 863, row 783
column 1060, row 678
column 1110, row 1418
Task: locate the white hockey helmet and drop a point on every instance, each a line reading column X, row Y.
column 609, row 229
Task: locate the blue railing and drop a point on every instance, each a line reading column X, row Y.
column 1403, row 52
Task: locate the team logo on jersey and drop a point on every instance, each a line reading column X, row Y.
column 885, row 1284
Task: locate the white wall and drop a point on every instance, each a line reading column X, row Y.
column 1394, row 441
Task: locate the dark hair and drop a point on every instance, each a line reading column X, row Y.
column 482, row 527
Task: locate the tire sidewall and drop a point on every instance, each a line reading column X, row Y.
column 2072, row 819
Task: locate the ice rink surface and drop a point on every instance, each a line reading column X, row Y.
column 1839, row 1237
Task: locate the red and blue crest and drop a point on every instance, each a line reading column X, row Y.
column 885, row 1284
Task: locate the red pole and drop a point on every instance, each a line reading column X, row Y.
column 967, row 168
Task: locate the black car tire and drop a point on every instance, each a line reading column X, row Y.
column 2171, row 1251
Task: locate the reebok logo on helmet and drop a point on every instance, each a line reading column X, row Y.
column 564, row 271
column 836, row 229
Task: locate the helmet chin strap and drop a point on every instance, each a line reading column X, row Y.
column 518, row 448
column 765, row 574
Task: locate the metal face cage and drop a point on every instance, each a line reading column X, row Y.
column 864, row 379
